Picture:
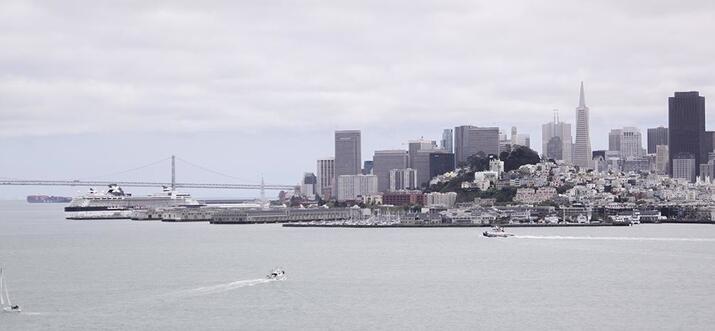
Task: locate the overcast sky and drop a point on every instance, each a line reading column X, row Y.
column 257, row 87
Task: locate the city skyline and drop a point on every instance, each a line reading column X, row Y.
column 433, row 144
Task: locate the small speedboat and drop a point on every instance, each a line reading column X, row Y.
column 277, row 274
column 497, row 232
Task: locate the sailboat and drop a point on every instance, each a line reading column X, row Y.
column 7, row 306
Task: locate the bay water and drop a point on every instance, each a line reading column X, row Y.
column 129, row 275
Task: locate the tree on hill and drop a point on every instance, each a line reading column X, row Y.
column 519, row 156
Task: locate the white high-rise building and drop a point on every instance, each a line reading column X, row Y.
column 352, row 187
column 582, row 155
column 631, row 143
column 684, row 168
column 403, row 179
column 561, row 147
column 325, row 175
column 661, row 159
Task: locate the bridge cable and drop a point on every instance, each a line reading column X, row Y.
column 212, row 171
column 126, row 171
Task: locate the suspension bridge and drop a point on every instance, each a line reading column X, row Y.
column 173, row 183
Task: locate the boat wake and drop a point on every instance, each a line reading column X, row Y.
column 220, row 288
column 616, row 238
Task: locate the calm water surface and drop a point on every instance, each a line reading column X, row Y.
column 124, row 275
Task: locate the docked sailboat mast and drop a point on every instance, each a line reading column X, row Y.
column 173, row 172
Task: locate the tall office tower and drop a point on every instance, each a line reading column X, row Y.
column 686, row 128
column 308, row 185
column 461, row 143
column 631, row 143
column 325, row 177
column 657, row 136
column 661, row 159
column 554, row 149
column 513, row 136
column 470, row 140
column 447, row 142
column 347, row 154
column 403, row 179
column 352, row 187
column 419, row 145
column 560, row 130
column 614, row 140
column 384, row 162
column 431, row 163
column 582, row 146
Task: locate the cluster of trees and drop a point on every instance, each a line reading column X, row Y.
column 503, row 195
column 517, row 157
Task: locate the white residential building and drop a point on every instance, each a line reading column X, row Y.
column 446, row 200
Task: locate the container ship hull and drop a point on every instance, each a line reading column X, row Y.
column 47, row 199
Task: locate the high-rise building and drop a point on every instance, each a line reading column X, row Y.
column 308, row 185
column 686, row 128
column 661, row 159
column 554, row 149
column 447, row 142
column 505, row 144
column 657, row 136
column 347, row 153
column 560, row 130
column 403, row 179
column 614, row 140
column 582, row 146
column 325, row 177
column 440, row 163
column 419, row 145
column 384, row 162
column 429, row 164
column 470, row 140
column 351, row 187
column 631, row 143
column 709, row 143
column 684, row 167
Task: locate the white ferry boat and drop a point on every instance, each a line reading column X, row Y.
column 497, row 232
column 116, row 204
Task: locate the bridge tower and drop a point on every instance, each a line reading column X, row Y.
column 173, row 172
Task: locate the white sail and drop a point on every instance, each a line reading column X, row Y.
column 2, row 290
column 4, row 295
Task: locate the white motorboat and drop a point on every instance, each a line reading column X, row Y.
column 497, row 232
column 277, row 274
column 7, row 306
